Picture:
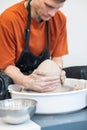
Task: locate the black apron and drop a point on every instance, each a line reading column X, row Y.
column 28, row 61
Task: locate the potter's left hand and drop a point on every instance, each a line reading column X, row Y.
column 62, row 76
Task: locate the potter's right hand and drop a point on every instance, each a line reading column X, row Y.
column 39, row 82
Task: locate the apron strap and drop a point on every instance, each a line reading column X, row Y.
column 27, row 31
column 47, row 35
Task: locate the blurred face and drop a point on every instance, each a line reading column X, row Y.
column 45, row 9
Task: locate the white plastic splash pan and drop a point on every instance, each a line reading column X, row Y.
column 56, row 103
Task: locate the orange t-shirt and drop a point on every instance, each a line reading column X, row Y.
column 13, row 22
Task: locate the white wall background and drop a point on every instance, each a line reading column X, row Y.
column 75, row 11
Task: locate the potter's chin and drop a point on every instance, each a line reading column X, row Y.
column 45, row 18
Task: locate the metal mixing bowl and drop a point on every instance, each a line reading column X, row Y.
column 15, row 111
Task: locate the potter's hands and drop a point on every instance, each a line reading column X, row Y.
column 39, row 82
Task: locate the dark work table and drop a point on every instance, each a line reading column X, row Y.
column 68, row 121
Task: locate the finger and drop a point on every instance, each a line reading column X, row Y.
column 50, row 83
column 49, row 78
column 63, row 79
column 63, row 73
column 50, row 88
